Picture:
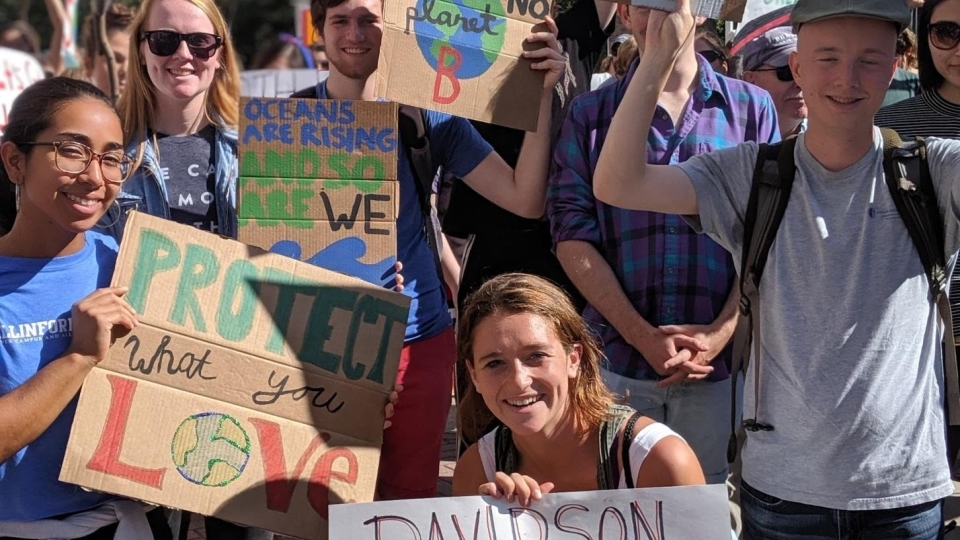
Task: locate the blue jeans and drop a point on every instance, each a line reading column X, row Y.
column 698, row 411
column 770, row 518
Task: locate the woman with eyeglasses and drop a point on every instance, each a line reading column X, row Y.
column 180, row 111
column 935, row 112
column 62, row 167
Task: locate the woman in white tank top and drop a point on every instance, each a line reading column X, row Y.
column 535, row 367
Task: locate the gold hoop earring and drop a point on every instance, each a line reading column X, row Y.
column 115, row 221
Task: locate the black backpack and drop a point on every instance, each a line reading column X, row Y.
column 413, row 138
column 908, row 178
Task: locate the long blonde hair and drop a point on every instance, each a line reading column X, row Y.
column 139, row 100
column 521, row 293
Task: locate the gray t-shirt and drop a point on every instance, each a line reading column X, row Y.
column 188, row 168
column 850, row 336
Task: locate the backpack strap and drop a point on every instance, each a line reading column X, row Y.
column 625, row 442
column 770, row 189
column 907, row 176
column 413, row 137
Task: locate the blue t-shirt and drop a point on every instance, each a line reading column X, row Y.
column 36, row 298
column 457, row 147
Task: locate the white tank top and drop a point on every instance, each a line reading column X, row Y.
column 642, row 443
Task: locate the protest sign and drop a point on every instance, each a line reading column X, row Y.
column 728, row 10
column 318, row 182
column 463, row 57
column 278, row 83
column 253, row 387
column 18, row 70
column 674, row 513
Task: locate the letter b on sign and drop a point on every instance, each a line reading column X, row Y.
column 449, row 72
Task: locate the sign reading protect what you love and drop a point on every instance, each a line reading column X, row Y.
column 463, row 57
column 253, row 388
column 318, row 183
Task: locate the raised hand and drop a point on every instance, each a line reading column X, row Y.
column 549, row 57
column 668, row 32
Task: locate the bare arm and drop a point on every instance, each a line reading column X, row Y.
column 468, row 475
column 58, row 18
column 29, row 410
column 523, row 190
column 594, row 278
column 622, row 177
column 670, row 462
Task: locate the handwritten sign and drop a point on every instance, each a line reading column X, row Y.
column 318, row 182
column 676, row 513
column 278, row 83
column 728, row 10
column 253, row 388
column 463, row 57
column 18, row 70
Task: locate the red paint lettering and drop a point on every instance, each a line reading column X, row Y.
column 318, row 492
column 448, row 72
column 106, row 458
column 279, row 486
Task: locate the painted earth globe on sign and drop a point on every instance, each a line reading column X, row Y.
column 210, row 449
column 472, row 30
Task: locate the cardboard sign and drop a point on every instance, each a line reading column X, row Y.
column 318, row 182
column 18, row 70
column 253, row 388
column 675, row 513
column 463, row 57
column 728, row 10
column 278, row 83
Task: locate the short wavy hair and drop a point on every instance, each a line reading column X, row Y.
column 511, row 294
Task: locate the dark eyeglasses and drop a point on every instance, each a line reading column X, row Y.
column 712, row 56
column 165, row 43
column 944, row 35
column 783, row 73
column 74, row 158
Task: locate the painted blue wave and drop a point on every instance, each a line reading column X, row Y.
column 343, row 256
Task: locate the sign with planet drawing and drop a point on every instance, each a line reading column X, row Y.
column 463, row 57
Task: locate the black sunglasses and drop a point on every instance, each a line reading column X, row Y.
column 944, row 35
column 165, row 43
column 783, row 73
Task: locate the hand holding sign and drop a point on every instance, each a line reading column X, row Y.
column 550, row 57
column 667, row 32
column 98, row 319
column 521, row 486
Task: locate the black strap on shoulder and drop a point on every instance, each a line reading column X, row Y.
column 413, row 137
column 769, row 194
column 907, row 175
column 625, row 442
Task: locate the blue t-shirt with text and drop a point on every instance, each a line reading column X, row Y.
column 457, row 147
column 36, row 327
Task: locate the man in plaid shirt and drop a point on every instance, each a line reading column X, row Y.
column 661, row 296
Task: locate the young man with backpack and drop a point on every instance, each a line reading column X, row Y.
column 351, row 31
column 844, row 407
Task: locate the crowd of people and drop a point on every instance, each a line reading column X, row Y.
column 593, row 266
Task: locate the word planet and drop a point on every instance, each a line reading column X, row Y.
column 210, row 449
column 469, row 33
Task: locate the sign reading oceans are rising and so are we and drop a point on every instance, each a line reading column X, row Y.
column 318, row 183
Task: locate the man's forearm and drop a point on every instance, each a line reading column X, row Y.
column 623, row 155
column 725, row 324
column 595, row 280
column 533, row 163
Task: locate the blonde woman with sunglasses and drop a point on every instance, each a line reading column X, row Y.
column 180, row 111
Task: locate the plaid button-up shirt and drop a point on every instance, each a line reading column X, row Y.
column 670, row 274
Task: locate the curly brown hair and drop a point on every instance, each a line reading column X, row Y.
column 511, row 294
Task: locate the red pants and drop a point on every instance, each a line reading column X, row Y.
column 410, row 459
